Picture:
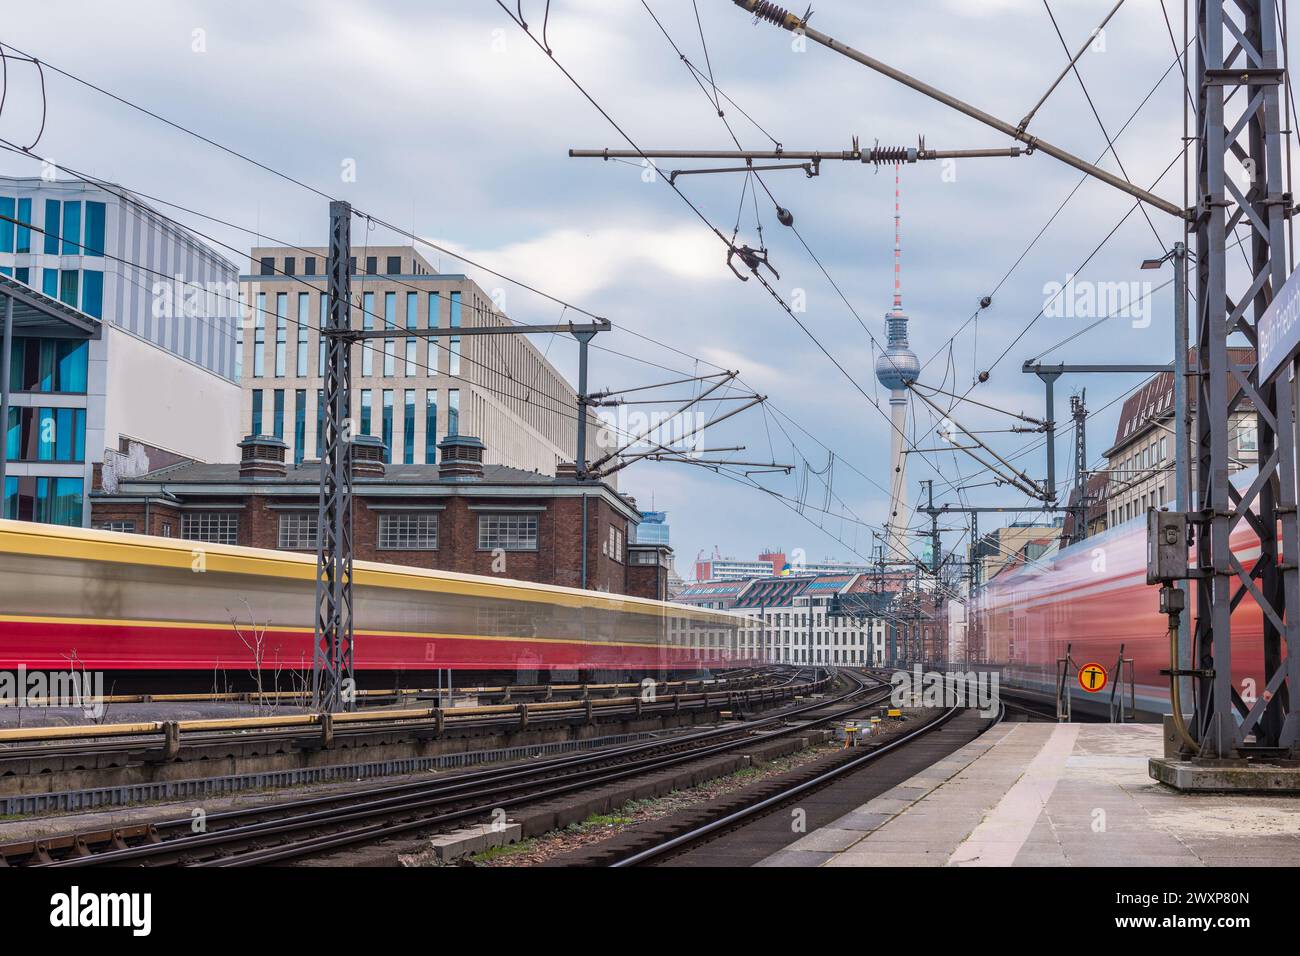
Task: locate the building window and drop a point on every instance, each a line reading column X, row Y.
column 279, row 413
column 299, row 425
column 408, row 531
column 304, row 319
column 44, row 500
column 408, row 428
column 453, row 411
column 1164, row 447
column 297, row 531
column 367, row 324
column 372, row 265
column 257, row 412
column 46, row 434
column 1247, row 437
column 214, row 527
column 435, row 308
column 268, row 265
column 48, row 365
column 124, row 527
column 508, row 532
column 394, row 265
column 365, row 411
column 290, row 266
column 431, row 426
column 259, row 337
column 387, row 425
column 453, row 344
column 309, row 266
column 281, row 331
column 72, row 228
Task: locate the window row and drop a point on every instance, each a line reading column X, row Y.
column 269, row 414
column 79, row 288
column 415, row 358
column 65, row 232
column 289, row 266
column 399, row 531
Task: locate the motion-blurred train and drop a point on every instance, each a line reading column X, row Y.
column 1092, row 599
column 148, row 611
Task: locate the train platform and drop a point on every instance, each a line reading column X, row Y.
column 1046, row 794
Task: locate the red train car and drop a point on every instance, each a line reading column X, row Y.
column 1092, row 598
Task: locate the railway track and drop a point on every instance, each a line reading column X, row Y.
column 744, row 828
column 323, row 823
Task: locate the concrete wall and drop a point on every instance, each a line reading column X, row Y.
column 159, row 398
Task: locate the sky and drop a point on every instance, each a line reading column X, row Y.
column 458, row 127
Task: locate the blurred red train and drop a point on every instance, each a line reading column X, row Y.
column 1092, row 599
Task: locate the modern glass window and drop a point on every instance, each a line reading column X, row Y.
column 70, row 287
column 52, row 213
column 394, row 265
column 304, row 320
column 435, row 309
column 46, row 434
column 24, row 233
column 408, row 531
column 297, row 531
column 290, row 266
column 372, row 265
column 367, row 324
column 50, row 282
column 388, row 424
column 299, row 425
column 8, row 207
column 92, row 293
column 45, row 500
column 320, row 345
column 453, row 344
column 281, row 331
column 431, row 426
column 214, row 527
column 278, row 405
column 320, row 423
column 408, row 428
column 48, row 365
column 412, row 322
column 239, row 340
column 259, row 337
column 268, row 265
column 257, row 412
column 365, row 411
column 390, row 358
column 309, row 266
column 72, row 229
column 508, row 532
column 453, row 411
column 94, row 229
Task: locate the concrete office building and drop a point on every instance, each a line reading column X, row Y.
column 409, row 392
column 123, row 344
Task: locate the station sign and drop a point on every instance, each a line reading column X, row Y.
column 1092, row 677
column 1279, row 329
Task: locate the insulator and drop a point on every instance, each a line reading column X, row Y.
column 889, row 155
column 784, row 216
column 773, row 13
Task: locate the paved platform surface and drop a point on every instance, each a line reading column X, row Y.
column 1042, row 794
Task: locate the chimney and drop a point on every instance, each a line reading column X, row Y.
column 567, row 469
column 460, row 458
column 368, row 456
column 261, row 458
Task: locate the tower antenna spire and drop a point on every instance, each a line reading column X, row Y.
column 898, row 242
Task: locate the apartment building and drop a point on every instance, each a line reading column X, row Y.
column 1140, row 462
column 409, row 392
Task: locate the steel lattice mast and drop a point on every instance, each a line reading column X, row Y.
column 1247, row 78
column 331, row 671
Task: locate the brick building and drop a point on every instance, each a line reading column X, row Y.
column 459, row 515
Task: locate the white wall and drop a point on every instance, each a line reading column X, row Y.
column 156, row 397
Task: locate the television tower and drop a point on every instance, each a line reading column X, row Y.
column 896, row 368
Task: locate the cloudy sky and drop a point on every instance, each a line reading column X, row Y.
column 459, row 127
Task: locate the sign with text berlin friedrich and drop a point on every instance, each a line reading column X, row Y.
column 1279, row 328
